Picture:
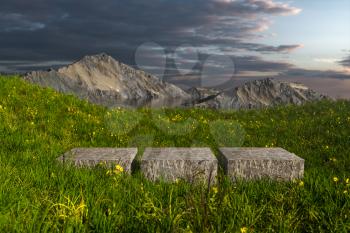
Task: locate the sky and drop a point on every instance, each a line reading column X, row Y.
column 186, row 42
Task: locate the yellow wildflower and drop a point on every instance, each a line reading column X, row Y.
column 215, row 189
column 301, row 184
column 177, row 117
column 335, row 179
column 244, row 229
column 119, row 168
column 347, row 180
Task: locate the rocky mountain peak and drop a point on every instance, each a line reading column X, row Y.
column 103, row 80
column 271, row 92
column 99, row 58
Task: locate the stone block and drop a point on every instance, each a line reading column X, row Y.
column 93, row 156
column 191, row 164
column 256, row 163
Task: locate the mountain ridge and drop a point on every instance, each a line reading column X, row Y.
column 103, row 80
column 271, row 92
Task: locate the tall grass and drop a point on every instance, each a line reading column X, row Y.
column 39, row 194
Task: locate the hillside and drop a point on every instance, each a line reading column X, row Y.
column 38, row 194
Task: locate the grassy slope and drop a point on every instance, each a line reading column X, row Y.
column 37, row 193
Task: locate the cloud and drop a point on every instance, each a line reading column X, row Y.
column 281, row 48
column 305, row 73
column 23, row 66
column 18, row 22
column 220, row 69
column 266, row 6
column 326, row 60
column 345, row 62
column 257, row 64
column 63, row 30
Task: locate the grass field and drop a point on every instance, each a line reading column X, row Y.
column 39, row 194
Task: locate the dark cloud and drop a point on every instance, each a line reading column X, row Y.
column 223, row 73
column 305, row 73
column 39, row 30
column 17, row 22
column 253, row 63
column 23, row 66
column 345, row 62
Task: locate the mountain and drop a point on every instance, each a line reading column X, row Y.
column 254, row 94
column 207, row 98
column 103, row 80
column 270, row 92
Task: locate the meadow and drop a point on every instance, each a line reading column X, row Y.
column 37, row 193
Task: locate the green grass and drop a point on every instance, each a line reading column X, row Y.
column 39, row 194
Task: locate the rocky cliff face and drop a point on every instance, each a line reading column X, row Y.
column 103, row 80
column 270, row 92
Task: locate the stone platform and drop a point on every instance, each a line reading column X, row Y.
column 93, row 156
column 169, row 164
column 256, row 163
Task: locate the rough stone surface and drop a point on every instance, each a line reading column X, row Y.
column 93, row 156
column 169, row 164
column 103, row 80
column 270, row 92
column 256, row 163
